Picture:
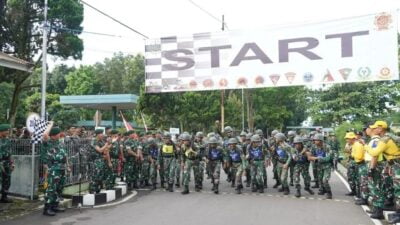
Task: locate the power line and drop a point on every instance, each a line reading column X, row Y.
column 123, row 24
column 75, row 31
column 208, row 13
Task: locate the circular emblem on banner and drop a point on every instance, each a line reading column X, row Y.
column 193, row 84
column 308, row 77
column 242, row 81
column 364, row 73
column 385, row 73
column 259, row 80
column 223, row 82
column 382, row 21
column 30, row 121
column 208, row 83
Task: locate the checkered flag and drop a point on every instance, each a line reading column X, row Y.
column 40, row 127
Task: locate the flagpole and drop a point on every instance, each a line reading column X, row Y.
column 33, row 171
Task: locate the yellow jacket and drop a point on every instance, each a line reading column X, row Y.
column 372, row 144
column 357, row 152
column 387, row 147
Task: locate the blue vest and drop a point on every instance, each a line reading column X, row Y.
column 256, row 153
column 154, row 153
column 234, row 155
column 320, row 153
column 215, row 154
column 281, row 153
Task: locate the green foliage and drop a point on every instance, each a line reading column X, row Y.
column 80, row 81
column 342, row 129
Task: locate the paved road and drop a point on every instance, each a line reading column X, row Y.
column 227, row 208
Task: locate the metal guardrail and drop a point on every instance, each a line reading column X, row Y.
column 78, row 151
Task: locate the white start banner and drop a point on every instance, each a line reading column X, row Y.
column 357, row 49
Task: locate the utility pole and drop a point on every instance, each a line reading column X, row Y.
column 223, row 91
column 44, row 63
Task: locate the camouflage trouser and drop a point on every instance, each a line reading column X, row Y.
column 257, row 170
column 6, row 177
column 145, row 170
column 153, row 171
column 376, row 187
column 302, row 169
column 161, row 172
column 335, row 159
column 169, row 169
column 130, row 171
column 282, row 174
column 52, row 195
column 393, row 170
column 324, row 171
column 315, row 171
column 202, row 168
column 274, row 168
column 178, row 170
column 363, row 180
column 189, row 165
column 215, row 170
column 352, row 175
column 97, row 176
column 111, row 174
column 291, row 171
column 238, row 172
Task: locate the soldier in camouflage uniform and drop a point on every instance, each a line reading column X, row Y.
column 178, row 163
column 322, row 156
column 291, row 135
column 200, row 144
column 159, row 141
column 144, row 154
column 284, row 157
column 215, row 158
column 388, row 147
column 132, row 150
column 152, row 148
column 54, row 158
column 258, row 157
column 116, row 150
column 237, row 163
column 334, row 143
column 301, row 167
column 6, row 164
column 191, row 162
column 98, row 150
column 264, row 144
column 245, row 147
column 272, row 150
column 167, row 160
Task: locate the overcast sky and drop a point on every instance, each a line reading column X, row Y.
column 156, row 18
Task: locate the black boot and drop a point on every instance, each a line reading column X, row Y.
column 316, row 185
column 135, row 186
column 142, row 184
column 197, row 188
column 5, row 199
column 254, row 188
column 162, row 184
column 394, row 218
column 321, row 191
column 233, row 183
column 298, row 193
column 154, row 186
column 216, row 191
column 311, row 192
column 361, row 201
column 47, row 211
column 265, row 183
column 286, row 191
column 201, row 185
column 329, row 194
column 276, row 185
column 291, row 182
column 170, row 187
column 178, row 184
column 185, row 190
column 282, row 189
column 248, row 184
column 57, row 208
column 261, row 188
column 239, row 189
column 146, row 183
column 378, row 214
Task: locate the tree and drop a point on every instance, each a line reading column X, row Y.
column 81, row 81
column 21, row 36
column 57, row 82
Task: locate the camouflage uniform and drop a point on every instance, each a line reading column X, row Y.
column 236, row 158
column 215, row 160
column 111, row 173
column 284, row 157
column 351, row 171
column 191, row 159
column 334, row 143
column 167, row 162
column 145, row 168
column 302, row 166
column 201, row 146
column 324, row 167
column 154, row 154
column 6, row 165
column 99, row 166
column 53, row 155
column 131, row 165
column 257, row 157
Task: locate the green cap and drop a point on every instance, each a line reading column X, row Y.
column 4, row 127
column 114, row 132
column 99, row 131
column 55, row 131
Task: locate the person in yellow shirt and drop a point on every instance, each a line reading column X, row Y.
column 391, row 154
column 357, row 153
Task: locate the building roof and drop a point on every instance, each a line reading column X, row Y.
column 14, row 63
column 104, row 123
column 104, row 102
